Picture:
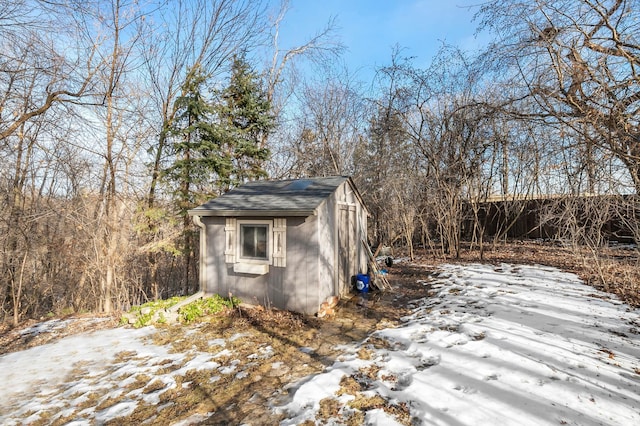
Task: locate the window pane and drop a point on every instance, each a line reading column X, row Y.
column 261, row 242
column 246, row 235
column 254, row 241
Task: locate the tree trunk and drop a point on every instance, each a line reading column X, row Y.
column 18, row 291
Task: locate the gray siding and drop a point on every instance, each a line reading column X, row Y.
column 313, row 258
column 300, row 277
column 327, row 250
column 292, row 288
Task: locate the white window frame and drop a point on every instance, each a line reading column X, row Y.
column 269, row 242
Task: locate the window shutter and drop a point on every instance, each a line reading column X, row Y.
column 230, row 237
column 279, row 249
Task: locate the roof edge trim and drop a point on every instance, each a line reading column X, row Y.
column 253, row 213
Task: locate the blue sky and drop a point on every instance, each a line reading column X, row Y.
column 370, row 28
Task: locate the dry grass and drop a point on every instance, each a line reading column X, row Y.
column 365, row 354
column 349, row 386
column 236, row 399
column 286, row 332
column 366, row 403
column 361, row 403
column 329, row 407
column 370, row 372
column 154, row 386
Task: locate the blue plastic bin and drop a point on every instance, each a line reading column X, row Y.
column 362, row 283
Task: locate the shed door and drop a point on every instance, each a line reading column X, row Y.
column 347, row 245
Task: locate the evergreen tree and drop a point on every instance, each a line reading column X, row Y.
column 216, row 146
column 200, row 159
column 219, row 145
column 246, row 120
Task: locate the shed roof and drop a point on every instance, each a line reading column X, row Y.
column 291, row 197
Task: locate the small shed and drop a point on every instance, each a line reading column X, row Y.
column 288, row 244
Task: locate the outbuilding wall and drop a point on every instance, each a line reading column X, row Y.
column 327, row 249
column 293, row 287
column 311, row 274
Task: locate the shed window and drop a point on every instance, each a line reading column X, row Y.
column 255, row 242
column 254, row 239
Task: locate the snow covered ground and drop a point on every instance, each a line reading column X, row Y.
column 521, row 345
column 508, row 345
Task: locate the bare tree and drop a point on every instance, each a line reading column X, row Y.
column 449, row 129
column 331, row 123
column 42, row 75
column 578, row 60
column 387, row 173
column 286, row 87
column 37, row 59
column 319, row 49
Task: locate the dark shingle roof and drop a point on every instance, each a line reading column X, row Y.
column 293, row 197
